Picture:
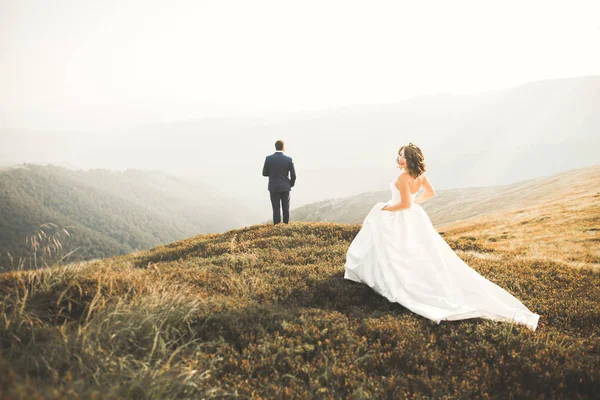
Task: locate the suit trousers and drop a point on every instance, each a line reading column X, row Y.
column 283, row 199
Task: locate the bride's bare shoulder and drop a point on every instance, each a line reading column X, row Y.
column 402, row 178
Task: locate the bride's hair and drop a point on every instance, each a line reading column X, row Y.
column 415, row 160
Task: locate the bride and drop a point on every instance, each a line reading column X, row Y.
column 400, row 255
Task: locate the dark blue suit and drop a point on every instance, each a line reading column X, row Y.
column 277, row 167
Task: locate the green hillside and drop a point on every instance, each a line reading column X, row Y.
column 197, row 208
column 103, row 224
column 264, row 312
column 108, row 213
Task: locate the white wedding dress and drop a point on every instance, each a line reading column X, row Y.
column 401, row 256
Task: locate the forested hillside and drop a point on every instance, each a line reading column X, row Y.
column 104, row 213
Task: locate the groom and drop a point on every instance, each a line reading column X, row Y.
column 277, row 166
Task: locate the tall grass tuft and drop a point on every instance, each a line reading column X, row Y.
column 46, row 245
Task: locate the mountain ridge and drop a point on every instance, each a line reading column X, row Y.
column 452, row 205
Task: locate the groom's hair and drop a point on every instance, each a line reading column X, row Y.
column 279, row 145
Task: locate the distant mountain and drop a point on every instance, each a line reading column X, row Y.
column 472, row 140
column 110, row 212
column 449, row 206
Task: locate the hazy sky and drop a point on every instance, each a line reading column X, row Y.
column 87, row 62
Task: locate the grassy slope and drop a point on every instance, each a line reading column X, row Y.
column 564, row 229
column 450, row 206
column 265, row 312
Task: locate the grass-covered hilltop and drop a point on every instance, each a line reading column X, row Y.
column 264, row 312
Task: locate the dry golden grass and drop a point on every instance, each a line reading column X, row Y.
column 264, row 312
column 564, row 230
column 451, row 206
column 455, row 205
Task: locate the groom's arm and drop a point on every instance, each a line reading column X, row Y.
column 265, row 168
column 292, row 174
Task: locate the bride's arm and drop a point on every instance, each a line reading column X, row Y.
column 405, row 197
column 428, row 192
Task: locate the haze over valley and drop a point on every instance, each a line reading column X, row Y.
column 485, row 139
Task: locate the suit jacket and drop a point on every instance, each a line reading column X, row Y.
column 277, row 166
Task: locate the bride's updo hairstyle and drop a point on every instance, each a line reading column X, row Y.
column 415, row 161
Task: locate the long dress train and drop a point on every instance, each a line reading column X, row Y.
column 401, row 256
